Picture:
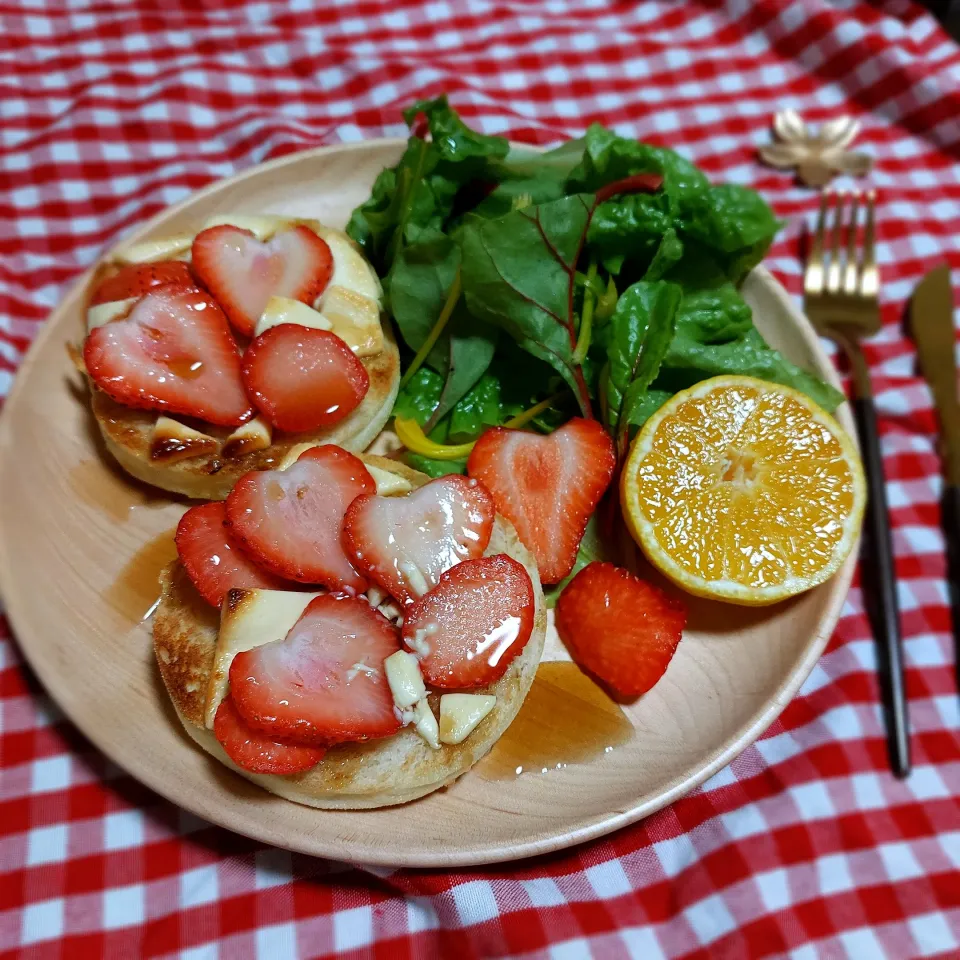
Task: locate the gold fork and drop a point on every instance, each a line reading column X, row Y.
column 840, row 287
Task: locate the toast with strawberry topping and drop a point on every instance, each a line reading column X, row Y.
column 547, row 486
column 308, row 688
column 469, row 627
column 257, row 752
column 406, row 543
column 620, row 628
column 290, row 520
column 213, row 559
column 243, row 273
column 354, row 774
column 343, row 396
column 173, row 352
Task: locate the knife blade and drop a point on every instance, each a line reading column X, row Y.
column 931, row 320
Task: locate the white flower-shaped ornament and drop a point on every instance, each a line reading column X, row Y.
column 820, row 156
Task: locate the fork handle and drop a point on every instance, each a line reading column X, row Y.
column 877, row 554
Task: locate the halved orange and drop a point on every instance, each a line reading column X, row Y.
column 744, row 491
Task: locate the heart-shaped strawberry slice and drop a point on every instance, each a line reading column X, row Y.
column 324, row 683
column 174, row 351
column 406, row 543
column 289, row 520
column 243, row 273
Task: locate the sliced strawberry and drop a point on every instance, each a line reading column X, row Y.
column 213, row 560
column 172, row 352
column 136, row 279
column 620, row 628
column 470, row 626
column 546, row 486
column 324, row 683
column 406, row 543
column 243, row 273
column 290, row 520
column 256, row 752
column 302, row 379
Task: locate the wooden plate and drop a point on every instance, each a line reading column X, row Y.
column 79, row 552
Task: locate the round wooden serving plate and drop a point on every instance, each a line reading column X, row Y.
column 80, row 545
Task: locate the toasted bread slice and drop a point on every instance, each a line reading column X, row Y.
column 352, row 776
column 128, row 435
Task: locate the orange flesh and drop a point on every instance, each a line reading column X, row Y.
column 746, row 486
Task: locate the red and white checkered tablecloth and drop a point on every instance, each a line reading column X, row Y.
column 805, row 846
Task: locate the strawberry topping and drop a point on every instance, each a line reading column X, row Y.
column 303, row 379
column 134, row 280
column 256, row 752
column 213, row 560
column 243, row 273
column 324, row 683
column 620, row 628
column 172, row 352
column 406, row 543
column 546, row 486
column 289, row 520
column 469, row 627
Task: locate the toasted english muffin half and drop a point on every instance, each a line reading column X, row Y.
column 203, row 461
column 352, row 776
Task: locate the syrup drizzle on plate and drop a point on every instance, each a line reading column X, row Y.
column 566, row 719
column 136, row 590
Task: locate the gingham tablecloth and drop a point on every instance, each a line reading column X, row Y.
column 805, row 846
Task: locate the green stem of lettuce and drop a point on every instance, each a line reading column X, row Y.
column 452, row 297
column 586, row 317
column 523, row 418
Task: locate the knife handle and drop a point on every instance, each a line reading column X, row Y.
column 877, row 563
column 950, row 508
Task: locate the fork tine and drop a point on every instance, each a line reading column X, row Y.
column 813, row 275
column 833, row 271
column 851, row 273
column 869, row 274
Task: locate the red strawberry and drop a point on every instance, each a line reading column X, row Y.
column 172, row 352
column 470, row 626
column 546, row 486
column 256, row 752
column 324, row 683
column 213, row 561
column 136, row 279
column 290, row 520
column 243, row 273
column 618, row 627
column 406, row 543
column 302, row 379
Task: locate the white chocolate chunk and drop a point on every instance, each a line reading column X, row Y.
column 255, row 434
column 249, row 619
column 350, row 268
column 354, row 318
column 389, row 484
column 415, row 579
column 102, row 313
column 425, row 723
column 163, row 248
column 286, row 310
column 391, row 611
column 403, row 676
column 172, row 441
column 261, row 226
column 293, row 454
column 461, row 712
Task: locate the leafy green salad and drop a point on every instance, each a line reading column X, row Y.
column 596, row 279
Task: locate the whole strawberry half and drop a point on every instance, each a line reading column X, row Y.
column 173, row 352
column 546, row 486
column 472, row 624
column 620, row 628
column 324, row 683
column 243, row 273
